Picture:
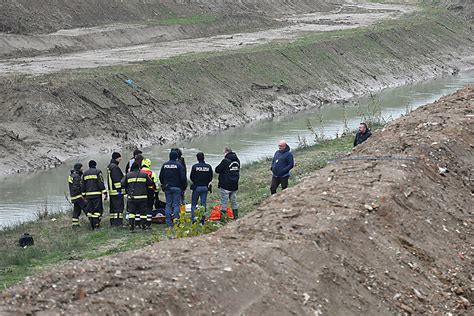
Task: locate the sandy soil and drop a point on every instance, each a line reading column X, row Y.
column 345, row 17
column 59, row 26
column 361, row 236
column 48, row 16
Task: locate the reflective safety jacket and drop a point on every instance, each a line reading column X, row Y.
column 152, row 176
column 136, row 184
column 114, row 176
column 75, row 187
column 93, row 183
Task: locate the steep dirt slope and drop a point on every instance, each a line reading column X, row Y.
column 120, row 35
column 45, row 16
column 360, row 237
column 139, row 42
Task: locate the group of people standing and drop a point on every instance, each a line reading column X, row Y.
column 139, row 185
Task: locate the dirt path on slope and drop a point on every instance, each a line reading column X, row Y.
column 346, row 17
column 361, row 236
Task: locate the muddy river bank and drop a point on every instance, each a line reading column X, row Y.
column 252, row 142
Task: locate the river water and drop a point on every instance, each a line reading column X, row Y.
column 21, row 196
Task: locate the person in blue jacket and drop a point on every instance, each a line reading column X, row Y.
column 172, row 179
column 282, row 163
column 201, row 176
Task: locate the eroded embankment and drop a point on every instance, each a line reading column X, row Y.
column 46, row 120
column 160, row 42
column 14, row 46
column 372, row 237
column 24, row 16
column 56, row 27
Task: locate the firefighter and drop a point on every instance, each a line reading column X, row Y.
column 75, row 191
column 114, row 176
column 151, row 191
column 136, row 184
column 92, row 188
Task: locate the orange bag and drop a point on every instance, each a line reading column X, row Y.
column 216, row 213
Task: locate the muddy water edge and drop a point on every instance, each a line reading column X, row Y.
column 47, row 189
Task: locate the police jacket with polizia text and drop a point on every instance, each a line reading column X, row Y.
column 201, row 174
column 136, row 184
column 93, row 183
column 172, row 174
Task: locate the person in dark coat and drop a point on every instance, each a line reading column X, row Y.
column 114, row 178
column 229, row 176
column 75, row 191
column 172, row 178
column 201, row 176
column 92, row 188
column 180, row 157
column 136, row 184
column 136, row 152
column 362, row 135
column 282, row 163
column 183, row 163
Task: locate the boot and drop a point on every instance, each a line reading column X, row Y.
column 75, row 223
column 92, row 222
column 131, row 221
column 148, row 222
column 235, row 213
